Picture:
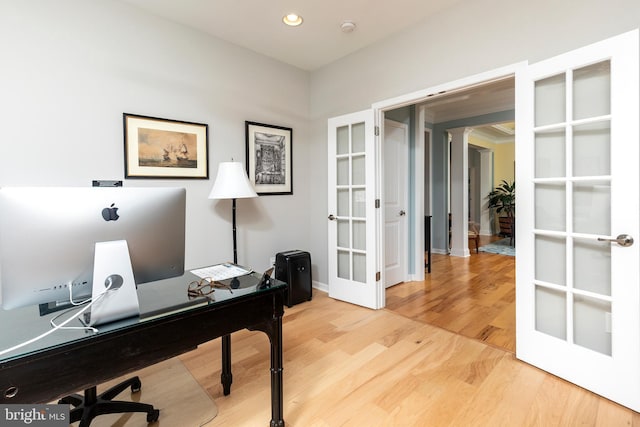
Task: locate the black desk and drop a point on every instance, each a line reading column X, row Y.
column 170, row 324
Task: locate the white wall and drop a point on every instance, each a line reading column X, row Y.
column 472, row 37
column 70, row 69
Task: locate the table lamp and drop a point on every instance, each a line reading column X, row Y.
column 232, row 183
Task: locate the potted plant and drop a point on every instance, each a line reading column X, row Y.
column 503, row 199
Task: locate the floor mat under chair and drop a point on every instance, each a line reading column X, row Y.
column 169, row 387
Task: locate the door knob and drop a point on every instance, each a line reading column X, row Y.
column 402, row 213
column 623, row 240
column 331, row 217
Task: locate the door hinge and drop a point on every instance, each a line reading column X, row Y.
column 377, row 276
column 377, row 203
column 377, row 130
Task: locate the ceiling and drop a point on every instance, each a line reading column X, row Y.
column 498, row 133
column 257, row 24
column 487, row 98
column 490, row 97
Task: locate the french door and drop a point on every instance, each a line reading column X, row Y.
column 395, row 197
column 353, row 215
column 577, row 269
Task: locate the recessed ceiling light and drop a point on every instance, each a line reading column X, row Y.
column 292, row 19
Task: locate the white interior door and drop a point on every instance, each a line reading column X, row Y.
column 352, row 212
column 577, row 275
column 396, row 170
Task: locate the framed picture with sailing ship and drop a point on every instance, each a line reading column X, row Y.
column 269, row 158
column 163, row 148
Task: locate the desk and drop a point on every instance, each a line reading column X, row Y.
column 170, row 324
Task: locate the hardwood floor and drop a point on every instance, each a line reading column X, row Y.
column 472, row 296
column 345, row 365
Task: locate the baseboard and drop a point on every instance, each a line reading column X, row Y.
column 461, row 253
column 320, row 286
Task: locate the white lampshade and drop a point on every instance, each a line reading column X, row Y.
column 231, row 182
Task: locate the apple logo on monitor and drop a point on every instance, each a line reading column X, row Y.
column 110, row 213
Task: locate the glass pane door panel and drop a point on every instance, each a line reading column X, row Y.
column 342, row 140
column 344, row 265
column 357, row 138
column 550, row 260
column 592, row 91
column 550, row 100
column 592, row 324
column 343, row 202
column 551, row 312
column 358, row 169
column 592, row 207
column 343, row 234
column 550, row 210
column 360, row 267
column 359, row 205
column 591, row 149
column 342, row 171
column 592, row 266
column 351, row 229
column 550, row 148
column 359, row 235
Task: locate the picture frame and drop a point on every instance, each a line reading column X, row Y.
column 164, row 148
column 269, row 158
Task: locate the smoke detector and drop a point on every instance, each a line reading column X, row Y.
column 347, row 26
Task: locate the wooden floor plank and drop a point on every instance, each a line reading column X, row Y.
column 345, row 365
column 482, row 308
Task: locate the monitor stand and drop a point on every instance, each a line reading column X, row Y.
column 112, row 265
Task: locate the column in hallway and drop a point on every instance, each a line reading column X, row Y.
column 459, row 191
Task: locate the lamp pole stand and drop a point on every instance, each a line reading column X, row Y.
column 231, row 182
column 226, row 376
column 235, row 242
column 235, row 283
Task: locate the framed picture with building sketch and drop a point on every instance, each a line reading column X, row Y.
column 269, row 158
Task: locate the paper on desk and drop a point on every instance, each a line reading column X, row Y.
column 220, row 271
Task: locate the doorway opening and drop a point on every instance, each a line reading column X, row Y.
column 484, row 109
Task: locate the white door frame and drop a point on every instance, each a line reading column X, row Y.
column 417, row 213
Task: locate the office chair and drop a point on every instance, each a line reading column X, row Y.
column 87, row 407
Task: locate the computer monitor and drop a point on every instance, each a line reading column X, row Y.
column 49, row 236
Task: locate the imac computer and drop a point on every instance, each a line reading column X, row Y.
column 63, row 244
